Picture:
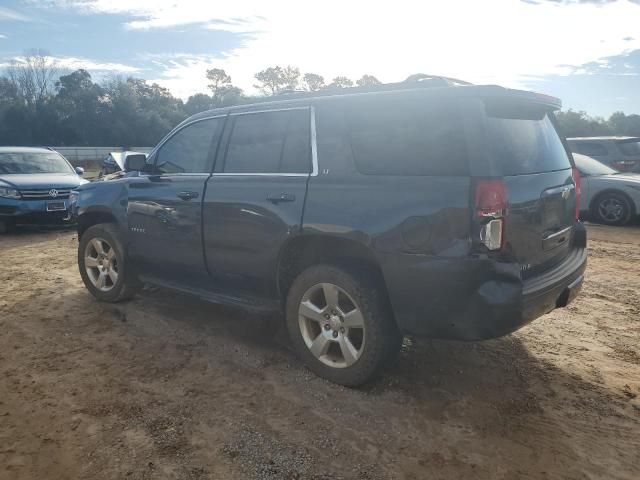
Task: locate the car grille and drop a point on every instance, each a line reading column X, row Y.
column 46, row 194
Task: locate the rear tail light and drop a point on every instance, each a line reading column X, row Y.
column 490, row 207
column 578, row 183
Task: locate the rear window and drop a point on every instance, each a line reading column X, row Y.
column 401, row 137
column 526, row 145
column 631, row 148
column 591, row 149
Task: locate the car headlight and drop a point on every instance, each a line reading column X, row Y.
column 9, row 192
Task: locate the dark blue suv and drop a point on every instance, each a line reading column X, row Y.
column 35, row 184
column 435, row 210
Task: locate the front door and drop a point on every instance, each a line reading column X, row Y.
column 254, row 201
column 165, row 207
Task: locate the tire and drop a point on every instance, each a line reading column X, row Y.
column 112, row 257
column 360, row 300
column 612, row 208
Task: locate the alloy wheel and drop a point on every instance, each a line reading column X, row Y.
column 101, row 264
column 611, row 209
column 332, row 325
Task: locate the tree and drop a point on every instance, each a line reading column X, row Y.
column 270, row 80
column 290, row 78
column 79, row 108
column 579, row 124
column 198, row 103
column 273, row 80
column 341, row 82
column 313, row 82
column 368, row 80
column 33, row 76
column 219, row 80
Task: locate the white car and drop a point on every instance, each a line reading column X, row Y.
column 608, row 196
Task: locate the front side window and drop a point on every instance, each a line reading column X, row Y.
column 269, row 142
column 188, row 150
column 50, row 162
column 401, row 137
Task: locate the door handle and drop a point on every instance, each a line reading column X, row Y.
column 281, row 197
column 187, row 195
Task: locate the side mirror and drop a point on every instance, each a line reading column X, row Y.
column 79, row 171
column 135, row 162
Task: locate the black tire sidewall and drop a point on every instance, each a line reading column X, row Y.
column 109, row 233
column 627, row 209
column 380, row 331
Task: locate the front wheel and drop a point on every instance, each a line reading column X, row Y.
column 103, row 264
column 340, row 324
column 612, row 209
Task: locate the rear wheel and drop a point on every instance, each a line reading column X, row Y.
column 340, row 324
column 103, row 264
column 612, row 208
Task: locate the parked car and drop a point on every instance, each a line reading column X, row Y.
column 433, row 210
column 34, row 186
column 608, row 196
column 621, row 153
column 114, row 162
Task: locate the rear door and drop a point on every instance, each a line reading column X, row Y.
column 529, row 153
column 254, row 201
column 165, row 207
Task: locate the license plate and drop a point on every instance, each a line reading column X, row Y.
column 56, row 206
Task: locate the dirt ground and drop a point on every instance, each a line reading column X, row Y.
column 166, row 386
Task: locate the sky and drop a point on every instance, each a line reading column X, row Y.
column 586, row 52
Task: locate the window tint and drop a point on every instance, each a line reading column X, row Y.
column 524, row 146
column 631, row 148
column 591, row 149
column 270, row 142
column 407, row 138
column 188, row 150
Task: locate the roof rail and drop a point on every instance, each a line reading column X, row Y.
column 419, row 80
column 422, row 77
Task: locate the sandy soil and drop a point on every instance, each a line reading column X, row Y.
column 166, row 386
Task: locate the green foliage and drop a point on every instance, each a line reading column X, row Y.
column 340, row 82
column 313, row 82
column 36, row 109
column 368, row 80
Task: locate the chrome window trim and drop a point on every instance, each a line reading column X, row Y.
column 314, row 147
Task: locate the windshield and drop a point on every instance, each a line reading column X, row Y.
column 30, row 162
column 590, row 166
column 631, row 148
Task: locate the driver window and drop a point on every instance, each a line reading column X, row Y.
column 187, row 151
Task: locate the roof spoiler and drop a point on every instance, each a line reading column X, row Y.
column 548, row 101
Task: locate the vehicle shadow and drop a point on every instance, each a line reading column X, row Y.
column 485, row 408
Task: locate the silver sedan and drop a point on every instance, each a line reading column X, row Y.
column 608, row 196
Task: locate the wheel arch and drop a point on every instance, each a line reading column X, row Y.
column 606, row 191
column 304, row 251
column 94, row 217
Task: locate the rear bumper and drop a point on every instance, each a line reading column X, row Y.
column 31, row 212
column 476, row 299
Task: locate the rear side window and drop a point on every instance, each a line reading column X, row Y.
column 400, row 137
column 188, row 150
column 591, row 149
column 524, row 146
column 631, row 148
column 270, row 142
